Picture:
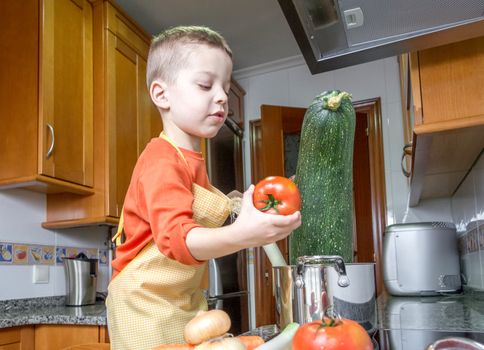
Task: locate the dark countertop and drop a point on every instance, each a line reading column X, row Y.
column 457, row 312
column 49, row 310
column 454, row 313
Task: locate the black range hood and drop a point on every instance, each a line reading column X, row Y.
column 334, row 34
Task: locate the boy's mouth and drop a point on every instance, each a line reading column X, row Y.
column 220, row 115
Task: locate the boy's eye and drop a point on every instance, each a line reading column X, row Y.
column 205, row 86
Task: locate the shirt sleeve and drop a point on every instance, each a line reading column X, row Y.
column 165, row 188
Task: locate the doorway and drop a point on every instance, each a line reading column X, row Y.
column 274, row 145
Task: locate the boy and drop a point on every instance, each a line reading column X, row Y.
column 172, row 215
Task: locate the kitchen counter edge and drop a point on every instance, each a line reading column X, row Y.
column 49, row 310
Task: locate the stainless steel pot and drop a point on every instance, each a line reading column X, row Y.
column 318, row 284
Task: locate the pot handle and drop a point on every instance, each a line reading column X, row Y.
column 339, row 265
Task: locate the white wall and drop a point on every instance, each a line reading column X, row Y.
column 21, row 215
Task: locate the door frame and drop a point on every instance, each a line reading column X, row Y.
column 372, row 109
column 267, row 140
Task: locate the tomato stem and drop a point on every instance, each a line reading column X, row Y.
column 270, row 203
column 329, row 321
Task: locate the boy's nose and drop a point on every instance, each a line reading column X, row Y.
column 221, row 97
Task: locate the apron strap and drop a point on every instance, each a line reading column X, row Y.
column 118, row 236
column 170, row 141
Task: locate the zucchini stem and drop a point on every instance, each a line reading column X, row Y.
column 333, row 100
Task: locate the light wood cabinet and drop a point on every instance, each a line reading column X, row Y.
column 58, row 337
column 51, row 337
column 125, row 120
column 129, row 110
column 447, row 85
column 443, row 96
column 46, row 95
column 17, row 338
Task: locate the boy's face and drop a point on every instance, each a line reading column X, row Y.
column 198, row 98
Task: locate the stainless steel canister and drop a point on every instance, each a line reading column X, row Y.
column 324, row 283
column 81, row 280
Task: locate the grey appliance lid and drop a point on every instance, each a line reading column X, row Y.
column 417, row 226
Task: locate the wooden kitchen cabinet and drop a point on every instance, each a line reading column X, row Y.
column 442, row 96
column 132, row 119
column 51, row 337
column 125, row 120
column 236, row 103
column 58, row 337
column 46, row 95
column 17, row 338
column 447, row 85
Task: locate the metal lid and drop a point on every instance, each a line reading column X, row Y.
column 418, row 226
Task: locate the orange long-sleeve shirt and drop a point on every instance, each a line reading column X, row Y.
column 158, row 203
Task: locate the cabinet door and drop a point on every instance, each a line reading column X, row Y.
column 236, row 103
column 66, row 110
column 17, row 338
column 122, row 63
column 18, row 71
column 131, row 116
column 451, row 79
column 58, row 337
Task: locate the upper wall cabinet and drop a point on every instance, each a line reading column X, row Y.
column 444, row 105
column 46, row 95
column 125, row 120
column 236, row 103
column 131, row 117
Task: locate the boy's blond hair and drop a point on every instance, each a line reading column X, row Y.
column 168, row 51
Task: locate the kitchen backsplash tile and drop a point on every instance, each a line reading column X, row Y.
column 35, row 254
column 395, row 137
column 479, row 186
column 468, row 215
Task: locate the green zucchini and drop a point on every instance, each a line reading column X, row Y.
column 324, row 175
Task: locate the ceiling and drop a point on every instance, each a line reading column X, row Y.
column 256, row 30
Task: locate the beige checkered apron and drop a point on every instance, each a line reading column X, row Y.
column 153, row 297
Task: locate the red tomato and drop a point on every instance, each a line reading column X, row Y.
column 345, row 335
column 277, row 195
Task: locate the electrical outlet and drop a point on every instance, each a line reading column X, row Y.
column 40, row 274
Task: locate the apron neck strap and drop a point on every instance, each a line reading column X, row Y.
column 170, row 141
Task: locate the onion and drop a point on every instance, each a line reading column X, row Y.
column 227, row 343
column 207, row 325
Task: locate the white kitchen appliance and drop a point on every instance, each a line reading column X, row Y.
column 421, row 259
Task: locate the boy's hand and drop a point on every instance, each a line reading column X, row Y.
column 255, row 228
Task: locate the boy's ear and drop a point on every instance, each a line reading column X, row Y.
column 158, row 94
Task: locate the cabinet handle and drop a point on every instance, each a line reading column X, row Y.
column 266, row 277
column 407, row 151
column 52, row 142
column 230, row 113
